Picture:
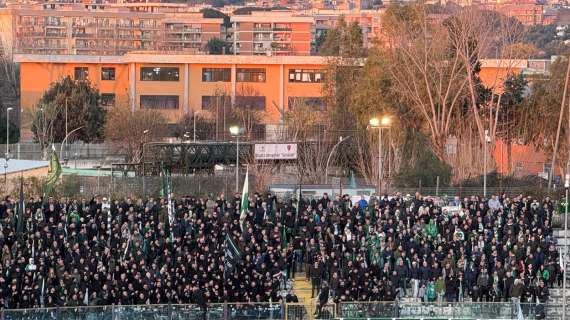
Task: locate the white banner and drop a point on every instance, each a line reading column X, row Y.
column 275, row 151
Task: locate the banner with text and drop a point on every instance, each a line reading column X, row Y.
column 275, row 151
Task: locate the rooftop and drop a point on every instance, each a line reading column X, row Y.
column 162, row 57
column 16, row 165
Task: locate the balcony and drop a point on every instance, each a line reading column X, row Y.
column 286, row 29
column 106, row 35
column 105, row 26
column 56, row 25
column 149, row 26
column 261, row 38
column 182, row 29
column 261, row 49
column 84, row 35
column 93, row 46
column 40, row 46
column 129, row 37
column 82, row 24
column 184, row 40
column 260, row 29
column 55, row 34
column 31, row 34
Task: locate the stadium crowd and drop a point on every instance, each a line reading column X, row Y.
column 94, row 252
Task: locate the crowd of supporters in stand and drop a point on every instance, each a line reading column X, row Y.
column 123, row 252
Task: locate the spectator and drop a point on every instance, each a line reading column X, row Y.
column 97, row 252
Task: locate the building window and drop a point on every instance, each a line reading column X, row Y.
column 107, row 100
column 250, row 75
column 315, row 103
column 251, row 102
column 81, row 73
column 519, row 167
column 159, row 102
column 547, row 167
column 107, row 73
column 159, row 74
column 216, row 74
column 306, row 75
column 215, row 103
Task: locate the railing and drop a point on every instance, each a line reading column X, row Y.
column 56, row 24
column 444, row 310
column 295, row 311
column 269, row 311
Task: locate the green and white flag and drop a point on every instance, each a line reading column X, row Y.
column 21, row 209
column 244, row 200
column 166, row 191
column 54, row 172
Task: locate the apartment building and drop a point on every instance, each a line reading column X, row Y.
column 179, row 84
column 101, row 29
column 272, row 33
column 342, row 4
column 529, row 14
column 369, row 20
column 291, row 4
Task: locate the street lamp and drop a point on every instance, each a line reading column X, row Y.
column 236, row 131
column 143, row 142
column 341, row 139
column 380, row 124
column 8, row 133
column 7, row 144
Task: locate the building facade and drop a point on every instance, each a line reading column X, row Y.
column 370, row 21
column 272, row 33
column 179, row 84
column 55, row 29
column 530, row 14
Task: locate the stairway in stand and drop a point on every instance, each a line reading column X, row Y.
column 302, row 289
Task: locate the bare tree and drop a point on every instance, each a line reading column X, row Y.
column 429, row 79
column 9, row 75
column 262, row 171
column 43, row 126
column 248, row 110
column 129, row 131
column 474, row 34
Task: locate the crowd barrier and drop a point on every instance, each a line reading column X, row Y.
column 444, row 310
column 295, row 311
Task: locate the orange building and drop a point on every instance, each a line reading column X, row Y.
column 529, row 14
column 370, row 21
column 272, row 33
column 341, row 4
column 524, row 159
column 179, row 84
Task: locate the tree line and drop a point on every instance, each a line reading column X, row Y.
column 424, row 71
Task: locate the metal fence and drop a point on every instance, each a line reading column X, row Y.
column 294, row 311
column 71, row 151
column 141, row 186
column 201, row 184
column 470, row 191
column 467, row 310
